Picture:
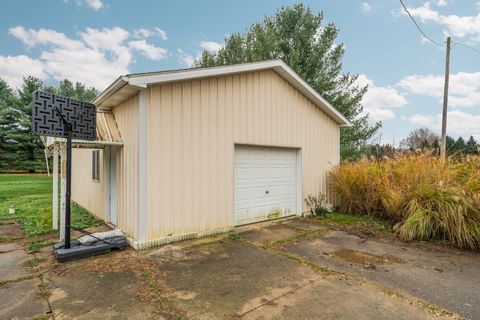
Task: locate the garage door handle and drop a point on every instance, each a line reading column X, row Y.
column 267, row 191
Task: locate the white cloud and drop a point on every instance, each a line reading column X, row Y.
column 145, row 33
column 464, row 87
column 161, row 33
column 366, row 7
column 148, row 50
column 14, row 68
column 185, row 58
column 96, row 58
column 441, row 3
column 93, row 4
column 458, row 123
column 142, row 33
column 105, row 39
column 378, row 101
column 457, row 26
column 32, row 38
column 210, row 46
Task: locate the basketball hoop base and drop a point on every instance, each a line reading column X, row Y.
column 79, row 251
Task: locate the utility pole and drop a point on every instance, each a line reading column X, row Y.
column 443, row 144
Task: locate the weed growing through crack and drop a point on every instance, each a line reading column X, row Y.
column 163, row 303
column 153, row 289
column 4, row 239
column 43, row 286
column 235, row 236
column 35, row 246
column 32, row 263
column 304, row 234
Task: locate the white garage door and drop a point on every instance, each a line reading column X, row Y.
column 265, row 183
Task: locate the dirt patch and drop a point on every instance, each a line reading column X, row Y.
column 268, row 234
column 365, row 258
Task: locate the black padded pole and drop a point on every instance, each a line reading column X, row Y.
column 69, row 186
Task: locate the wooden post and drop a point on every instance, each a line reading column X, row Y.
column 63, row 190
column 443, row 144
column 55, row 191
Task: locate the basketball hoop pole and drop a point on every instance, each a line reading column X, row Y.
column 69, row 185
column 68, row 190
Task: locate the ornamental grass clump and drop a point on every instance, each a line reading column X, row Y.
column 423, row 196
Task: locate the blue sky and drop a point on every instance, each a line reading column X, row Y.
column 94, row 41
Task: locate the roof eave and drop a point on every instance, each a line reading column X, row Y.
column 110, row 90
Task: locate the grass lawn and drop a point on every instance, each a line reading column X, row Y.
column 32, row 196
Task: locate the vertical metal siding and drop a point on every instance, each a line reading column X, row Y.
column 192, row 127
column 126, row 115
column 87, row 193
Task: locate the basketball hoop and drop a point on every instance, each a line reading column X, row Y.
column 56, row 117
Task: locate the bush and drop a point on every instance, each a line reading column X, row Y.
column 318, row 205
column 425, row 197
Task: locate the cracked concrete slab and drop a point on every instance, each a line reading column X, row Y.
column 21, row 300
column 233, row 278
column 91, row 295
column 443, row 276
column 258, row 274
column 11, row 265
column 334, row 299
column 6, row 247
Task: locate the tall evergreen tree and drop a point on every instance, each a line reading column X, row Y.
column 22, row 148
column 296, row 35
column 471, row 146
column 7, row 124
column 450, row 145
column 460, row 146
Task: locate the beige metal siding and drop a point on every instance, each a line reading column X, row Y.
column 87, row 193
column 126, row 115
column 192, row 128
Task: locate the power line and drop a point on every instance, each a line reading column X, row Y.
column 468, row 47
column 418, row 27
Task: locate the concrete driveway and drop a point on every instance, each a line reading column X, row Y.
column 296, row 269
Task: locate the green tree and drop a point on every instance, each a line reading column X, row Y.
column 471, row 146
column 78, row 91
column 296, row 35
column 20, row 147
column 7, row 123
column 460, row 146
column 449, row 145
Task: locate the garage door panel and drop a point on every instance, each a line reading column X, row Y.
column 265, row 183
column 250, row 194
column 280, row 171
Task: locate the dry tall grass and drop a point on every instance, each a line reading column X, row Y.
column 423, row 196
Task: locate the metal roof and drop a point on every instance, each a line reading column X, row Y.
column 127, row 86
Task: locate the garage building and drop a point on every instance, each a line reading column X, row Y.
column 193, row 152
